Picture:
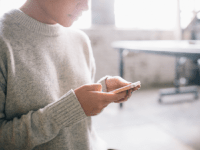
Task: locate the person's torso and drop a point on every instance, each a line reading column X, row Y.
column 39, row 71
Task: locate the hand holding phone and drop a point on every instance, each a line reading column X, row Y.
column 130, row 86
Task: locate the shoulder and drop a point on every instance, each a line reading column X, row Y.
column 5, row 30
column 7, row 24
column 4, row 46
column 7, row 18
column 77, row 31
column 79, row 35
column 80, row 38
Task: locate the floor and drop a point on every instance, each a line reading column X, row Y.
column 145, row 124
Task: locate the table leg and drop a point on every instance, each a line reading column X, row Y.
column 178, row 89
column 177, row 74
column 196, row 78
column 121, row 67
column 176, row 82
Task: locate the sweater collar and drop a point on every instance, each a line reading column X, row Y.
column 34, row 25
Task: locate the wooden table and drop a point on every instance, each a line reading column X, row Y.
column 184, row 48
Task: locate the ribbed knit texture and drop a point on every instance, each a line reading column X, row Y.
column 36, row 26
column 40, row 66
column 66, row 111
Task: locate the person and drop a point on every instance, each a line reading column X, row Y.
column 47, row 70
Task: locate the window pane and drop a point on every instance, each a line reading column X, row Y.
column 188, row 8
column 146, row 14
column 197, row 5
column 187, row 5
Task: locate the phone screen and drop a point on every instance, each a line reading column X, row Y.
column 130, row 86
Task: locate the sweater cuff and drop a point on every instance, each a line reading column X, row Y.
column 102, row 81
column 66, row 111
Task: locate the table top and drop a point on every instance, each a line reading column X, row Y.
column 179, row 48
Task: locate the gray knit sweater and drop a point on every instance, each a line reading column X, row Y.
column 40, row 65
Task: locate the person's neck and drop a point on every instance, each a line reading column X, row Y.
column 32, row 9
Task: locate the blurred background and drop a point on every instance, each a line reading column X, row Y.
column 143, row 123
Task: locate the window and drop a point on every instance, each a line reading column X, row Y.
column 145, row 14
column 83, row 22
column 187, row 11
column 154, row 14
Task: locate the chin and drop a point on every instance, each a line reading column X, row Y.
column 66, row 24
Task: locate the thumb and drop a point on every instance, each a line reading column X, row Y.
column 94, row 87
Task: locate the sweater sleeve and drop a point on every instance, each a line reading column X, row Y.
column 41, row 126
column 92, row 64
column 91, row 60
column 102, row 81
column 35, row 127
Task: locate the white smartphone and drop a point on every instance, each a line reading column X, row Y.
column 130, row 86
